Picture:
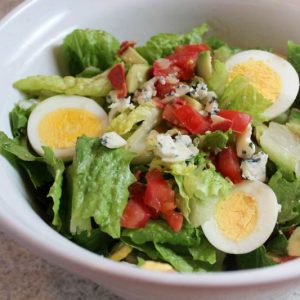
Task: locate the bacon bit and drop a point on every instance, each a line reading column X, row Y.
column 125, row 45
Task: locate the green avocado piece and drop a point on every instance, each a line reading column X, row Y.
column 293, row 123
column 204, row 65
column 131, row 56
column 136, row 76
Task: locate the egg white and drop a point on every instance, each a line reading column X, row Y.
column 55, row 103
column 287, row 73
column 267, row 213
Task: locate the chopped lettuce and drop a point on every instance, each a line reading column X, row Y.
column 163, row 44
column 45, row 86
column 199, row 192
column 85, row 48
column 294, row 55
column 240, row 95
column 277, row 244
column 255, row 259
column 282, row 146
column 41, row 170
column 218, row 80
column 288, row 196
column 187, row 250
column 100, row 182
column 18, row 120
column 214, row 140
column 293, row 123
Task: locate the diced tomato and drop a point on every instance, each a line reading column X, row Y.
column 117, row 79
column 164, row 89
column 228, row 164
column 158, row 193
column 284, row 259
column 135, row 215
column 174, row 219
column 191, row 120
column 158, row 103
column 137, row 190
column 223, row 125
column 192, row 48
column 125, row 45
column 168, row 114
column 164, row 67
column 239, row 119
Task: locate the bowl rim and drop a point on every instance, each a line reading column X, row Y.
column 83, row 258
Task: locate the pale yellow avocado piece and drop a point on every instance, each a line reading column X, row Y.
column 131, row 56
column 294, row 243
column 193, row 103
column 156, row 266
column 120, row 252
column 137, row 75
column 204, row 67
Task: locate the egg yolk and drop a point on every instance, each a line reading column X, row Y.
column 261, row 76
column 59, row 129
column 236, row 216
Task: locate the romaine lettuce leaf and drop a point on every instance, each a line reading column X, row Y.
column 294, row 55
column 163, row 44
column 18, row 120
column 282, row 146
column 277, row 244
column 255, row 259
column 293, row 123
column 100, row 182
column 288, row 196
column 214, row 140
column 46, row 86
column 240, row 95
column 199, row 192
column 41, row 170
column 219, row 78
column 85, row 48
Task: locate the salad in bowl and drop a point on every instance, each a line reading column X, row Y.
column 179, row 155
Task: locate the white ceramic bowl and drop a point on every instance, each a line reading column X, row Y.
column 28, row 39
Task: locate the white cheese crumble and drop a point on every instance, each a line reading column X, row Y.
column 200, row 91
column 211, row 106
column 147, row 92
column 254, row 168
column 244, row 146
column 174, row 150
column 112, row 140
column 26, row 104
column 119, row 106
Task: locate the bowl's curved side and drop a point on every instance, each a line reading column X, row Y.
column 29, row 38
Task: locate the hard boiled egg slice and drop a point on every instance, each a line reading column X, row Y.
column 58, row 121
column 244, row 220
column 274, row 77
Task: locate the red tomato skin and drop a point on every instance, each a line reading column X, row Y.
column 163, row 89
column 191, row 120
column 222, row 125
column 239, row 119
column 135, row 215
column 117, row 79
column 174, row 219
column 125, row 45
column 228, row 165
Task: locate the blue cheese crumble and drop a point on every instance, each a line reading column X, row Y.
column 112, row 140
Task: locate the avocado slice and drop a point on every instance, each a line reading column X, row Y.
column 293, row 123
column 294, row 243
column 193, row 103
column 131, row 56
column 204, row 65
column 136, row 76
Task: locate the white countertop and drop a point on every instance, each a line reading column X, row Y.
column 24, row 276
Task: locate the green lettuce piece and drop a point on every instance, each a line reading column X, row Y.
column 45, row 86
column 89, row 72
column 163, row 44
column 100, row 182
column 85, row 48
column 18, row 120
column 159, row 231
column 282, row 146
column 288, row 195
column 206, row 252
column 219, row 78
column 255, row 259
column 199, row 192
column 214, row 140
column 96, row 241
column 240, row 95
column 293, row 123
column 277, row 245
column 294, row 55
column 41, row 170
